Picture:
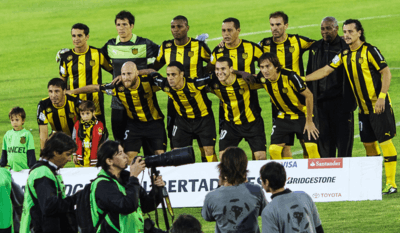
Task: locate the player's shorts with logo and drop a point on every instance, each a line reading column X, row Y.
column 185, row 130
column 377, row 127
column 152, row 132
column 253, row 133
column 283, row 131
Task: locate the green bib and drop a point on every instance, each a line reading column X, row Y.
column 132, row 222
column 30, row 193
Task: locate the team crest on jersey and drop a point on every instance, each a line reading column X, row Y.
column 100, row 131
column 135, row 51
column 23, row 140
column 245, row 55
column 69, row 58
column 220, row 50
column 241, row 91
column 190, row 53
column 360, row 60
column 285, row 90
column 262, row 80
column 121, row 88
column 71, row 115
column 166, row 89
column 48, row 110
column 291, row 49
column 216, row 86
column 268, row 42
column 92, row 63
column 168, row 45
column 345, row 52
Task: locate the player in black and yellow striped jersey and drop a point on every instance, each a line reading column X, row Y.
column 369, row 77
column 289, row 49
column 241, row 110
column 294, row 101
column 243, row 53
column 138, row 96
column 82, row 66
column 59, row 109
column 190, row 52
column 194, row 118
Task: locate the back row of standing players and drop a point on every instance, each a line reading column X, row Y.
column 138, row 121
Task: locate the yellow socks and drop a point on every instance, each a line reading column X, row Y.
column 275, row 151
column 312, row 150
column 390, row 156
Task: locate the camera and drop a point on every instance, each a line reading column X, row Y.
column 175, row 157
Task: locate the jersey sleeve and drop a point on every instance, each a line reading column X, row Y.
column 257, row 51
column 63, row 68
column 160, row 56
column 305, row 42
column 152, row 49
column 205, row 52
column 213, row 58
column 4, row 146
column 376, row 59
column 108, row 89
column 200, row 83
column 105, row 64
column 336, row 61
column 159, row 80
column 297, row 82
column 30, row 143
column 41, row 114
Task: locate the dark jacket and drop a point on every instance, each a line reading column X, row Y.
column 335, row 85
column 51, row 213
column 110, row 199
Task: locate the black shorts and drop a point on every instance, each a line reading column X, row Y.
column 377, row 127
column 184, row 130
column 152, row 132
column 283, row 131
column 253, row 133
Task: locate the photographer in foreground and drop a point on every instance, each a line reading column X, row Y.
column 118, row 194
column 46, row 208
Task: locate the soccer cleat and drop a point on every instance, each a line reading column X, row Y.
column 389, row 189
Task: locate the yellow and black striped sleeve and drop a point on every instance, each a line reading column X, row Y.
column 105, row 64
column 305, row 42
column 160, row 56
column 336, row 61
column 376, row 58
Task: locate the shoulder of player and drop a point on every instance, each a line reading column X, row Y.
column 112, row 41
column 249, row 42
column 142, row 40
column 64, row 56
column 167, row 43
column 297, row 36
column 45, row 101
column 290, row 74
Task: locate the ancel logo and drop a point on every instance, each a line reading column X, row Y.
column 325, row 163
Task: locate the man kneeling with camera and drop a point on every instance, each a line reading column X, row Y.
column 117, row 194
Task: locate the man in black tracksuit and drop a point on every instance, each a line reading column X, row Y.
column 335, row 102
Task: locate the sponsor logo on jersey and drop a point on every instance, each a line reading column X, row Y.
column 325, row 163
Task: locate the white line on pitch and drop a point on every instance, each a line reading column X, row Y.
column 306, row 26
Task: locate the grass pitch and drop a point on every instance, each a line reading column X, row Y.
column 33, row 31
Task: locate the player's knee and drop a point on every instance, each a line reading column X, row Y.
column 312, row 150
column 286, row 152
column 275, row 151
column 220, row 154
column 372, row 148
column 209, row 150
column 260, row 155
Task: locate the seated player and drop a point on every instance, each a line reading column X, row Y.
column 294, row 101
column 89, row 133
column 59, row 109
column 18, row 146
column 194, row 117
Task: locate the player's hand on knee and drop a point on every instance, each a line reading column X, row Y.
column 58, row 55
